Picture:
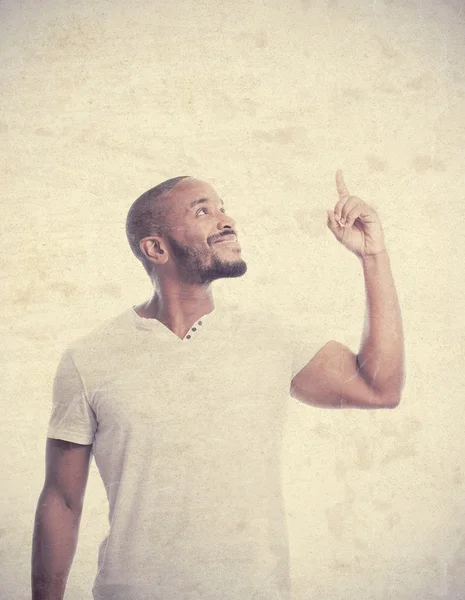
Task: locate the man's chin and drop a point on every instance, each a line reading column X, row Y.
column 236, row 269
column 226, row 271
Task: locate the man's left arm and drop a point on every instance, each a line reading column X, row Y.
column 336, row 377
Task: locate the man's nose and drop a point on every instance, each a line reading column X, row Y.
column 226, row 222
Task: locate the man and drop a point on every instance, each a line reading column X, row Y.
column 182, row 406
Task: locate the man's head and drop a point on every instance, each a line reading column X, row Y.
column 181, row 227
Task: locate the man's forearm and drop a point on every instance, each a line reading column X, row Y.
column 381, row 355
column 54, row 544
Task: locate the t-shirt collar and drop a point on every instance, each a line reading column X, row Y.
column 162, row 330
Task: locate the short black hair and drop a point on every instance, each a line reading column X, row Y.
column 147, row 217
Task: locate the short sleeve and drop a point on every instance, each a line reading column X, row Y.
column 72, row 417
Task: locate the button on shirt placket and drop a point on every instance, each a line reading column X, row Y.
column 188, row 337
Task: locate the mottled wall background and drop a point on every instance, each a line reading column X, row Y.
column 265, row 99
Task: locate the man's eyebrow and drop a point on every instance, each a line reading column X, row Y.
column 202, row 201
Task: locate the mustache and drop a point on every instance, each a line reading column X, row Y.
column 215, row 238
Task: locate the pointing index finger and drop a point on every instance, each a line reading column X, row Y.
column 341, row 186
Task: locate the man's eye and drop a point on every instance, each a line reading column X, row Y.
column 199, row 211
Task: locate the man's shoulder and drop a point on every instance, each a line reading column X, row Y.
column 263, row 320
column 285, row 327
column 107, row 334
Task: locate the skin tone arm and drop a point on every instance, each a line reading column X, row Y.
column 57, row 517
column 336, row 377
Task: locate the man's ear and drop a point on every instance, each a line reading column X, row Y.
column 154, row 248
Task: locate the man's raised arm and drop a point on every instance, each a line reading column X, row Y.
column 373, row 378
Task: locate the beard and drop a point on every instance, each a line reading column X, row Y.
column 192, row 264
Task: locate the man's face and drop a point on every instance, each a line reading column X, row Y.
column 202, row 239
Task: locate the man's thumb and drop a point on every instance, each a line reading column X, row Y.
column 332, row 224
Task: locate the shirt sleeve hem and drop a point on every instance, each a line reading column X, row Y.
column 69, row 436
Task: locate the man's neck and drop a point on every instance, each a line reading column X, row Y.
column 178, row 309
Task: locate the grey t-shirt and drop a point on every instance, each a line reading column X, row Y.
column 186, row 435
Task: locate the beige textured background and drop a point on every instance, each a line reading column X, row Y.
column 265, row 99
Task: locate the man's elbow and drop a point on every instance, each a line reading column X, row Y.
column 390, row 399
column 58, row 501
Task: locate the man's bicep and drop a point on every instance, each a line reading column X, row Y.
column 305, row 348
column 313, row 382
column 67, row 470
column 331, row 380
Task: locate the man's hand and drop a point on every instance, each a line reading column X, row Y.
column 355, row 224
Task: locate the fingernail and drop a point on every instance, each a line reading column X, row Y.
column 342, row 221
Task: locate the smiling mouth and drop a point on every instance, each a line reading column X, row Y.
column 230, row 239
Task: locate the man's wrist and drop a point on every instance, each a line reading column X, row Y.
column 373, row 256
